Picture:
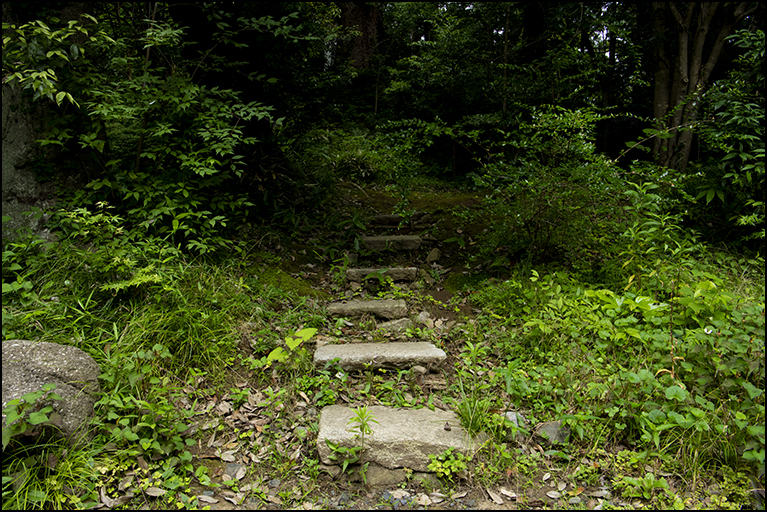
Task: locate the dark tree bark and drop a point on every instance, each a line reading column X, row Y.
column 365, row 18
column 686, row 50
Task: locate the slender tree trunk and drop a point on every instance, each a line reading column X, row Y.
column 682, row 70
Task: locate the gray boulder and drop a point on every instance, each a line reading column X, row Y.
column 28, row 365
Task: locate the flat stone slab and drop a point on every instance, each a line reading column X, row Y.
column 393, row 355
column 384, row 308
column 396, row 242
column 402, row 438
column 397, row 274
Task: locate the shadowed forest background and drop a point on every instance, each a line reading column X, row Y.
column 613, row 150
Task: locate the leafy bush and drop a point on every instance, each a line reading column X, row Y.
column 731, row 177
column 552, row 194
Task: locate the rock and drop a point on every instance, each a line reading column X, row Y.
column 386, row 308
column 28, row 365
column 399, row 325
column 426, row 480
column 516, row 419
column 396, row 274
column 395, row 355
column 402, row 438
column 396, row 242
column 333, row 470
column 433, row 256
column 553, row 432
column 378, row 476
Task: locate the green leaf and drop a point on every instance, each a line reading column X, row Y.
column 277, row 355
column 753, row 391
column 676, row 392
column 38, row 417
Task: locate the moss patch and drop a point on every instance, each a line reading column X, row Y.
column 276, row 278
column 458, row 281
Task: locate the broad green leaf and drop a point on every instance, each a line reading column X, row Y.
column 753, row 391
column 676, row 392
column 38, row 417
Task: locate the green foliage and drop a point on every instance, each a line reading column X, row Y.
column 345, row 455
column 176, row 149
column 448, row 464
column 733, row 132
column 292, row 342
column 138, row 408
column 23, row 415
column 33, row 53
column 552, row 193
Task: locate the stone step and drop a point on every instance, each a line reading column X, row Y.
column 392, row 355
column 401, row 438
column 396, row 242
column 357, row 275
column 383, row 308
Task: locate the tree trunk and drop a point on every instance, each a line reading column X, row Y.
column 683, row 68
column 365, row 18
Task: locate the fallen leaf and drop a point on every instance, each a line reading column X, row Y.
column 510, row 494
column 235, row 499
column 142, row 463
column 554, row 495
column 227, row 456
column 562, row 486
column 459, row 495
column 106, row 500
column 424, row 500
column 437, row 497
column 125, row 482
column 497, row 499
column 241, row 473
column 546, row 476
column 155, row 491
column 275, row 499
column 206, row 499
column 212, row 440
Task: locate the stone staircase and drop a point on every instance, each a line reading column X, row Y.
column 402, row 437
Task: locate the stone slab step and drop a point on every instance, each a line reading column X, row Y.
column 401, row 438
column 397, row 274
column 384, row 308
column 396, row 242
column 393, row 355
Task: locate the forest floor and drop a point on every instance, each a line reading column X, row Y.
column 283, row 470
column 520, row 336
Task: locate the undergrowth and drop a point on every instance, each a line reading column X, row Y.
column 663, row 356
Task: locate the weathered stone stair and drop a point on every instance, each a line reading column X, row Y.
column 402, row 437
